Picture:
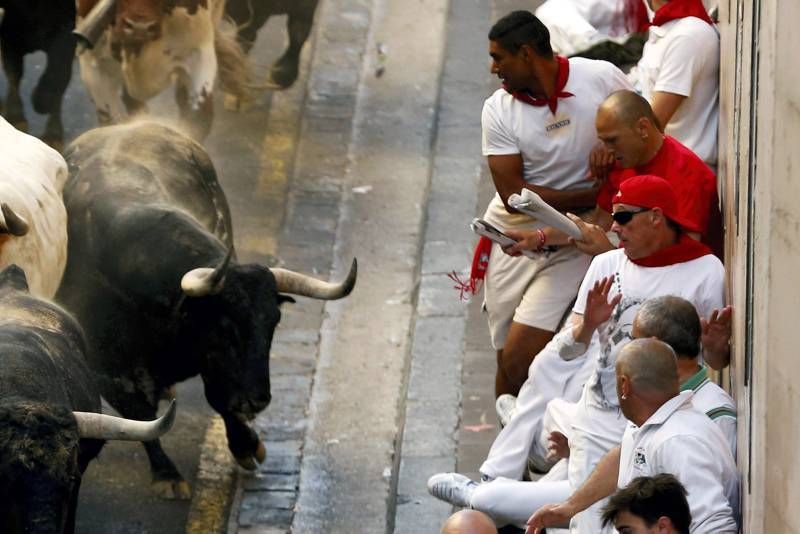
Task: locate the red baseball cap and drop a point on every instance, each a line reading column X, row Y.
column 649, row 191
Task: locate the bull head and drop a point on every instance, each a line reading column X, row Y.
column 12, row 223
column 100, row 426
column 92, row 26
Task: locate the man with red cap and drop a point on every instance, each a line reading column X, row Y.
column 656, row 258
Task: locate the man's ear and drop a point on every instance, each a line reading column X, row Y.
column 525, row 52
column 658, row 213
column 664, row 525
column 642, row 127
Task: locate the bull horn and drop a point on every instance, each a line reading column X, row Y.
column 14, row 224
column 2, row 14
column 205, row 281
column 300, row 284
column 100, row 426
column 91, row 27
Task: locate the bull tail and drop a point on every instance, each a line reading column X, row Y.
column 235, row 69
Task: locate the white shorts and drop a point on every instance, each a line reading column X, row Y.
column 534, row 292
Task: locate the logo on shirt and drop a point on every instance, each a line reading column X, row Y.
column 639, row 460
column 557, row 125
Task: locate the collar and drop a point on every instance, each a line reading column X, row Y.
column 686, row 249
column 678, row 9
column 697, row 380
column 670, row 407
column 562, row 75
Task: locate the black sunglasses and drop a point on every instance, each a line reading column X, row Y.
column 624, row 217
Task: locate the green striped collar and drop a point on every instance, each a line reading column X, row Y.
column 697, row 380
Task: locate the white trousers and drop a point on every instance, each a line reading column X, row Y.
column 549, row 377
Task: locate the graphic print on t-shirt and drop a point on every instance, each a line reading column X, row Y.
column 617, row 331
column 558, row 125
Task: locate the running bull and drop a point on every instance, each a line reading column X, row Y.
column 132, row 50
column 50, row 421
column 152, row 276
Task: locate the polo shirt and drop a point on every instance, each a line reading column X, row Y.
column 682, row 57
column 715, row 402
column 693, row 181
column 681, row 440
column 555, row 148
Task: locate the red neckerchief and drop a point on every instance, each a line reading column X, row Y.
column 480, row 262
column 635, row 16
column 686, row 249
column 561, row 81
column 678, row 9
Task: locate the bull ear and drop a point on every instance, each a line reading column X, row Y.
column 205, row 281
column 12, row 222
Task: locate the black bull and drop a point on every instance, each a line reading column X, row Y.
column 151, row 279
column 50, row 428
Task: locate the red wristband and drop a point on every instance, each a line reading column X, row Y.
column 542, row 238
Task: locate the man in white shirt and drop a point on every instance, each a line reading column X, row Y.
column 679, row 74
column 665, row 434
column 538, row 131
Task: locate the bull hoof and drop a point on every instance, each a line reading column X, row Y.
column 249, row 462
column 283, row 74
column 172, row 489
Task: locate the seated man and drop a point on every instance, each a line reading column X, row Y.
column 670, row 319
column 654, row 504
column 627, row 126
column 656, row 259
column 665, row 434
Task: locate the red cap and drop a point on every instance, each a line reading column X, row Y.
column 649, row 191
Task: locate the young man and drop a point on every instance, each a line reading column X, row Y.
column 649, row 505
column 538, row 131
column 665, row 434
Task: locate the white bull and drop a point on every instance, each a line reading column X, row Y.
column 33, row 221
column 150, row 45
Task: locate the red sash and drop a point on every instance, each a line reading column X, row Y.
column 678, row 9
column 561, row 81
column 686, row 249
column 480, row 262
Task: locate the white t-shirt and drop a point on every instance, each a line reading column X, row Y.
column 682, row 57
column 576, row 25
column 716, row 403
column 555, row 148
column 700, row 281
column 680, row 440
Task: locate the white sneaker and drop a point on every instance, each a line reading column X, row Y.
column 506, row 407
column 453, row 488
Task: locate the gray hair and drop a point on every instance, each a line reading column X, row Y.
column 650, row 365
column 674, row 321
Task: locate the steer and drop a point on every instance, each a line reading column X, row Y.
column 250, row 16
column 135, row 49
column 33, row 221
column 153, row 279
column 50, row 421
column 28, row 26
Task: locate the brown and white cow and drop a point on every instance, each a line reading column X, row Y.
column 150, row 45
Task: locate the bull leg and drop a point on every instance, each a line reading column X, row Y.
column 284, row 71
column 102, row 76
column 167, row 480
column 49, row 91
column 249, row 17
column 13, row 67
column 194, row 93
column 243, row 442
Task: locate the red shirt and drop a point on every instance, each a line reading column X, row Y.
column 694, row 183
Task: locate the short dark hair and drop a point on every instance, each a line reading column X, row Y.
column 674, row 321
column 651, row 498
column 522, row 28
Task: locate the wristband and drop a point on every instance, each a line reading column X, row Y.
column 542, row 238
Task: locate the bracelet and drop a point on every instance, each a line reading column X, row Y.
column 542, row 238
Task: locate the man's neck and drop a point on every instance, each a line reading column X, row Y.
column 666, row 238
column 687, row 368
column 545, row 71
column 654, row 144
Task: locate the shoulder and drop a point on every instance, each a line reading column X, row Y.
column 692, row 30
column 608, row 261
column 594, row 70
column 712, row 399
column 685, row 161
column 498, row 104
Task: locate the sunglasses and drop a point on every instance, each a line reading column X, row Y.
column 624, row 217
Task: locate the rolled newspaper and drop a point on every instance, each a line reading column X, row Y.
column 532, row 204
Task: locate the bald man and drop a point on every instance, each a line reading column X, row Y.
column 665, row 434
column 630, row 131
column 469, row 522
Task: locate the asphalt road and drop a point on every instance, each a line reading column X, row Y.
column 115, row 494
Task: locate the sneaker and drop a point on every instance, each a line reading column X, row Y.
column 506, row 407
column 453, row 488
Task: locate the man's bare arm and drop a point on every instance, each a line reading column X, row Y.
column 507, row 176
column 665, row 105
